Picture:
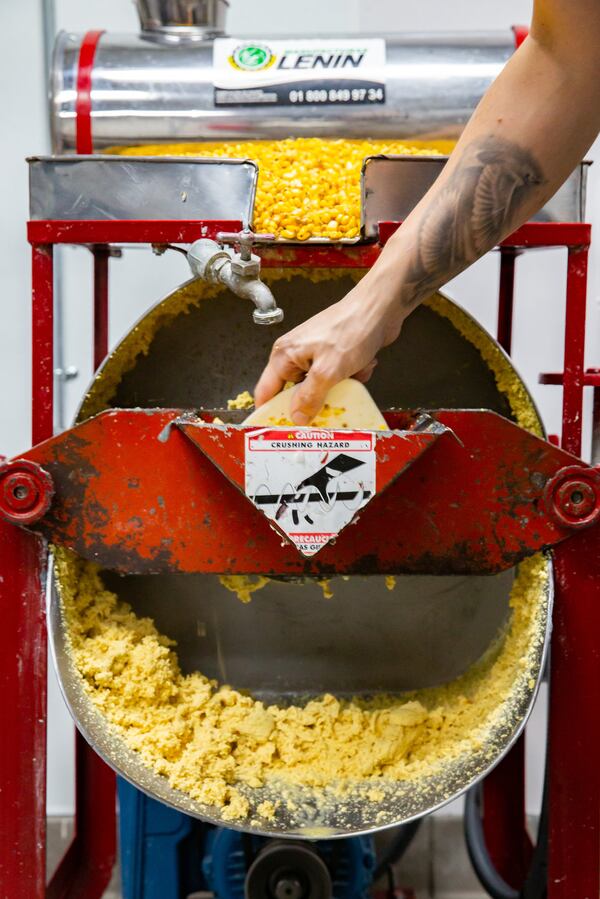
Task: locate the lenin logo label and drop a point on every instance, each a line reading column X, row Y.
column 252, row 57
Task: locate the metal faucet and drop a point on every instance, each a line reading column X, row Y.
column 239, row 271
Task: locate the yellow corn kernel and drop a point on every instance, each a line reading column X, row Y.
column 307, row 186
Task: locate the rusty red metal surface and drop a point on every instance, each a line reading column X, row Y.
column 135, row 494
column 26, row 492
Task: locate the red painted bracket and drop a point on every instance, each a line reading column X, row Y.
column 591, row 378
column 394, row 452
column 133, row 493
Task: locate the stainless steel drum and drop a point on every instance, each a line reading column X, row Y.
column 150, row 90
column 290, row 643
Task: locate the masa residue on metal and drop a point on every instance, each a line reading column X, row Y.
column 227, row 750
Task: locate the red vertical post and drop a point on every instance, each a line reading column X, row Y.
column 506, row 294
column 97, row 822
column 595, row 455
column 574, row 724
column 95, row 786
column 23, row 716
column 504, row 814
column 23, row 661
column 42, row 342
column 86, row 868
column 101, row 257
column 574, row 349
column 504, row 817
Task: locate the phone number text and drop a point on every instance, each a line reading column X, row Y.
column 338, row 95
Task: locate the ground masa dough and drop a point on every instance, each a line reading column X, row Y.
column 210, row 740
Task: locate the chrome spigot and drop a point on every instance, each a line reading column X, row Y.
column 239, row 271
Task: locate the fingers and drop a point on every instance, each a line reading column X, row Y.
column 309, row 396
column 365, row 373
column 279, row 370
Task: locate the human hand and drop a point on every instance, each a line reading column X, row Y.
column 341, row 341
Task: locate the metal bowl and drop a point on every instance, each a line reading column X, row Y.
column 290, row 643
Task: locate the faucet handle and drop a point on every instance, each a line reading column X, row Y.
column 246, row 240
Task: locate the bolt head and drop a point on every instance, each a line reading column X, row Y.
column 573, row 497
column 26, row 492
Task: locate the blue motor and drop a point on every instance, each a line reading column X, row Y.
column 168, row 855
column 242, row 866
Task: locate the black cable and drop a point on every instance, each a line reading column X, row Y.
column 491, row 881
column 397, row 847
column 535, row 886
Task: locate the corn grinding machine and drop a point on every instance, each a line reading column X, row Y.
column 403, row 580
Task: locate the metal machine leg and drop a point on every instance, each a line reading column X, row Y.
column 23, row 643
column 506, row 293
column 23, row 718
column 504, row 819
column 101, row 257
column 574, row 729
column 574, row 349
column 86, row 869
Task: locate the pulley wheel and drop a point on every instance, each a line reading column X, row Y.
column 288, row 871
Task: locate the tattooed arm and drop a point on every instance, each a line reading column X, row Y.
column 528, row 133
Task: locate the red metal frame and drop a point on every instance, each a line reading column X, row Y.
column 101, row 257
column 506, row 292
column 518, row 502
column 575, row 699
column 520, row 32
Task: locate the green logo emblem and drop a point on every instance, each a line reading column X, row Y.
column 252, row 57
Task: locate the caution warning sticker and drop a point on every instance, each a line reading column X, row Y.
column 310, row 483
